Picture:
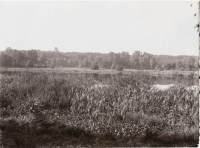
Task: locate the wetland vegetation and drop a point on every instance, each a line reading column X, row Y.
column 41, row 109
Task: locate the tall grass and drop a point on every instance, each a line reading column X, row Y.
column 127, row 109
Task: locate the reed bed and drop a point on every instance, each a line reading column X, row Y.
column 125, row 113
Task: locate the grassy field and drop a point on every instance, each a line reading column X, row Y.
column 168, row 73
column 46, row 110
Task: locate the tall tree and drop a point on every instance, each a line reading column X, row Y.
column 53, row 63
column 42, row 59
column 29, row 64
column 153, row 62
column 5, row 60
column 32, row 55
column 116, row 58
column 179, row 65
column 135, row 60
column 190, row 63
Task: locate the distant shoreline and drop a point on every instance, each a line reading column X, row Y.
column 169, row 73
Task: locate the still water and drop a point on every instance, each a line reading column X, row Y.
column 99, row 78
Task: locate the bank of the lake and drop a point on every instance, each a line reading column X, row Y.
column 168, row 73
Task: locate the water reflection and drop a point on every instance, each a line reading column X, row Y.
column 94, row 76
column 162, row 80
column 176, row 80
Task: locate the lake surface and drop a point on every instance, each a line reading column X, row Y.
column 99, row 78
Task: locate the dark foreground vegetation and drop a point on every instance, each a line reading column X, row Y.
column 45, row 110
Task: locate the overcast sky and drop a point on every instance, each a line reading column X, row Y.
column 153, row 27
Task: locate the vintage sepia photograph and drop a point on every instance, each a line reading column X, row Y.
column 99, row 74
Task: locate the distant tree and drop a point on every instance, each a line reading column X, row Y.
column 53, row 63
column 42, row 59
column 56, row 49
column 108, row 64
column 58, row 62
column 32, row 55
column 137, row 54
column 2, row 59
column 56, row 52
column 163, row 66
column 110, row 56
column 69, row 63
column 190, row 63
column 8, row 48
column 168, row 66
column 91, row 58
column 119, row 68
column 29, row 64
column 113, row 66
column 75, row 62
column 85, row 63
column 135, row 62
column 104, row 65
column 181, row 68
column 64, row 62
column 173, row 65
column 18, row 57
column 153, row 62
column 98, row 59
column 5, row 60
column 95, row 66
column 197, row 64
column 124, row 59
column 179, row 65
column 158, row 67
column 116, row 58
column 142, row 62
column 80, row 65
column 146, row 60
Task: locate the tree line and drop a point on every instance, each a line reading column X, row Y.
column 119, row 61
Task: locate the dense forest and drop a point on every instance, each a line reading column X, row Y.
column 119, row 61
